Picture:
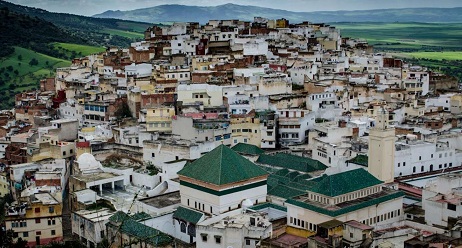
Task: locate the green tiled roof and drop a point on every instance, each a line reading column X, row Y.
column 268, row 205
column 144, row 233
column 360, row 159
column 222, row 166
column 334, row 213
column 188, row 215
column 141, row 216
column 345, row 182
column 247, row 149
column 131, row 227
column 292, row 162
column 119, row 217
column 285, row 192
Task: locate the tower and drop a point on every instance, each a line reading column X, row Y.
column 381, row 162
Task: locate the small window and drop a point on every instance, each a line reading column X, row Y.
column 247, row 242
column 51, row 209
column 218, row 239
column 53, row 232
column 37, row 210
column 451, row 207
column 204, row 237
column 37, row 221
column 25, row 234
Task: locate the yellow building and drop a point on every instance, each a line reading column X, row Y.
column 4, row 186
column 159, row 119
column 245, row 129
column 38, row 220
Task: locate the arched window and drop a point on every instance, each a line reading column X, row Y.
column 192, row 230
column 183, row 227
column 413, row 169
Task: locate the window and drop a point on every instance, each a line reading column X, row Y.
column 153, row 155
column 51, row 222
column 23, row 224
column 37, row 221
column 451, row 207
column 247, row 242
column 51, row 209
column 404, row 164
column 38, row 233
column 204, row 237
column 183, row 227
column 37, row 210
column 53, row 233
column 218, row 239
column 25, row 234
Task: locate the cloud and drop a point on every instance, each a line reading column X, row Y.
column 91, row 7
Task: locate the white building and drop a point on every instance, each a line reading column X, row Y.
column 89, row 226
column 345, row 196
column 441, row 199
column 294, row 125
column 138, row 70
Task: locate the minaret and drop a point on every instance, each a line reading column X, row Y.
column 381, row 163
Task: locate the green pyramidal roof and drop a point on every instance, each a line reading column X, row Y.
column 247, row 149
column 222, row 166
column 344, row 182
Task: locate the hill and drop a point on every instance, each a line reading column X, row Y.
column 22, row 70
column 94, row 31
column 183, row 13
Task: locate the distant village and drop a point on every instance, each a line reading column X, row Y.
column 236, row 134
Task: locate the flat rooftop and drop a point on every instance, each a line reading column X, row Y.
column 162, row 201
column 95, row 177
column 96, row 215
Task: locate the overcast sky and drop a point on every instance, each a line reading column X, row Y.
column 91, row 7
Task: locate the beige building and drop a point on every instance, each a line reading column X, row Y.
column 159, row 119
column 4, row 186
column 345, row 196
column 381, row 157
column 456, row 104
column 37, row 220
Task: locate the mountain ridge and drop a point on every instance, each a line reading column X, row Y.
column 202, row 14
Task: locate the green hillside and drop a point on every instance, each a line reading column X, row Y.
column 77, row 50
column 406, row 37
column 23, row 70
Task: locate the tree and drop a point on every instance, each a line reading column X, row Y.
column 19, row 57
column 33, row 62
column 16, row 72
column 123, row 111
column 6, row 240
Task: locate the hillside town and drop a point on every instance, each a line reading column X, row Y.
column 236, row 134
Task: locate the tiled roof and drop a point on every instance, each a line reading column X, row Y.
column 350, row 208
column 144, row 233
column 247, row 149
column 131, row 227
column 285, row 192
column 292, row 162
column 141, row 216
column 188, row 215
column 344, row 182
column 268, row 205
column 222, row 166
column 360, row 159
column 119, row 217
